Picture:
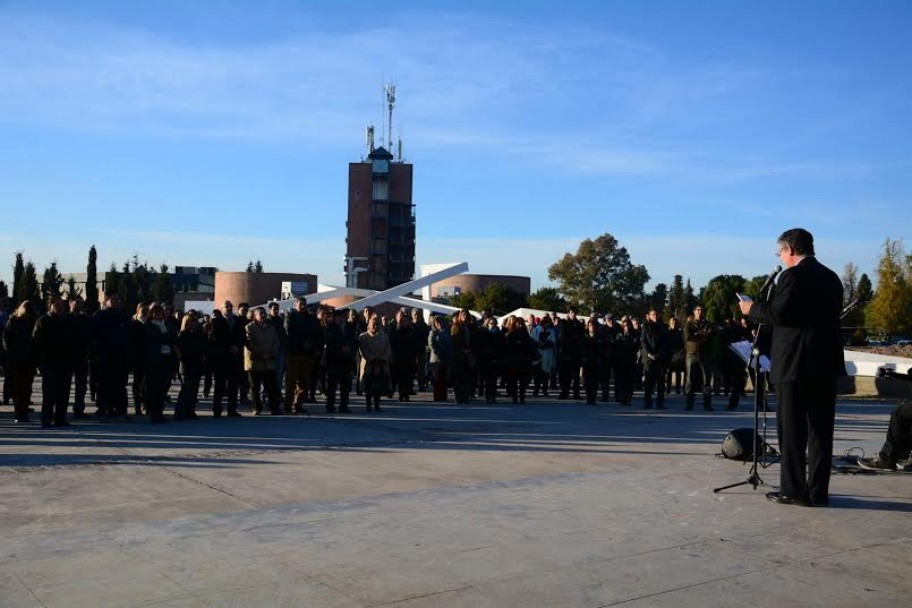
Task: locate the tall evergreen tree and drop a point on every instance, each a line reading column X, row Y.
column 112, row 280
column 51, row 282
column 30, row 289
column 4, row 291
column 18, row 276
column 163, row 291
column 676, row 306
column 91, row 288
column 865, row 291
column 258, row 267
column 690, row 300
column 659, row 297
column 250, row 267
column 72, row 291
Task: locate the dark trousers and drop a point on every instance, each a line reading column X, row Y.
column 225, row 379
column 405, row 376
column 186, row 399
column 805, row 415
column 260, row 379
column 139, row 387
column 338, row 379
column 899, row 434
column 19, row 378
column 81, row 383
column 654, row 382
column 156, row 379
column 570, row 377
column 605, row 379
column 439, row 377
column 7, row 378
column 541, row 381
column 489, row 382
column 623, row 381
column 112, row 387
column 592, row 377
column 517, row 384
column 55, row 389
column 463, row 378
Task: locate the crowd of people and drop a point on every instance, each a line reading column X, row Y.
column 266, row 359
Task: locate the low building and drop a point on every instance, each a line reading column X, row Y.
column 258, row 288
column 443, row 291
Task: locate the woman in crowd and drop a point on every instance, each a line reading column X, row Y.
column 159, row 348
column 676, row 363
column 376, row 356
column 21, row 357
column 592, row 352
column 404, row 343
column 193, row 345
column 137, row 345
column 545, row 339
column 441, row 355
column 463, row 369
column 626, row 347
column 519, row 353
column 261, row 349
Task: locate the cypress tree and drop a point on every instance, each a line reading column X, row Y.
column 18, row 275
column 91, row 288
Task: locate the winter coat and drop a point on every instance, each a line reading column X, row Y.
column 545, row 340
column 261, row 347
column 376, row 352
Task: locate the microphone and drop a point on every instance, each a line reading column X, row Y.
column 772, row 277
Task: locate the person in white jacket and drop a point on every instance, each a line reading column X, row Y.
column 545, row 338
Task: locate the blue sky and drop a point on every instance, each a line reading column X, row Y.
column 211, row 133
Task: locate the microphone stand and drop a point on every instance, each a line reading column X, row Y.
column 760, row 445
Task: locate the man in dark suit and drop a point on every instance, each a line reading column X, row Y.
column 807, row 358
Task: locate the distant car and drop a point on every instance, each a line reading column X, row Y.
column 903, row 342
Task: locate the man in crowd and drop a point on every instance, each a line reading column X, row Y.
column 654, row 345
column 110, row 357
column 277, row 321
column 697, row 333
column 82, row 339
column 224, row 356
column 305, row 343
column 341, row 340
column 54, row 347
column 807, row 359
column 569, row 340
column 898, row 444
column 7, row 385
column 421, row 337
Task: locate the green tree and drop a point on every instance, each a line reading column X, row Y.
column 547, row 298
column 465, row 299
column 258, row 267
column 112, row 280
column 659, row 297
column 891, row 307
column 250, row 267
column 4, row 291
column 500, row 298
column 752, row 286
column 600, row 276
column 718, row 297
column 865, row 291
column 690, row 300
column 91, row 288
column 51, row 282
column 30, row 290
column 163, row 290
column 18, row 275
column 676, row 305
column 72, row 291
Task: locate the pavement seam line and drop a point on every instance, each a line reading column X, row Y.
column 421, row 596
column 32, row 593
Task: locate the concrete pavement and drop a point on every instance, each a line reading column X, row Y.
column 546, row 504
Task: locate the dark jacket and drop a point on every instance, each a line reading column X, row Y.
column 592, row 350
column 238, row 325
column 81, row 336
column 194, row 346
column 19, row 343
column 137, row 342
column 804, row 313
column 110, row 335
column 405, row 346
column 305, row 335
column 491, row 346
column 654, row 343
column 519, row 352
column 696, row 336
column 569, row 338
column 341, row 341
column 54, row 341
column 221, row 339
column 155, row 340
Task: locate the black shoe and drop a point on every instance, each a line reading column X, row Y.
column 45, row 425
column 787, row 500
column 377, row 408
column 22, row 420
column 161, row 420
column 81, row 416
column 192, row 416
column 62, row 423
column 660, row 406
column 234, row 415
column 343, row 409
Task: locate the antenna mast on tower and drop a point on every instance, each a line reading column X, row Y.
column 390, row 103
